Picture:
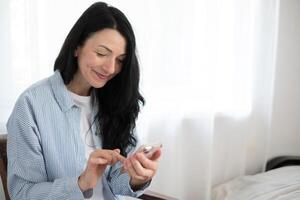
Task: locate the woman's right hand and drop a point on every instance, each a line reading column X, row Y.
column 97, row 162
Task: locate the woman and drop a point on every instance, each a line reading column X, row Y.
column 71, row 136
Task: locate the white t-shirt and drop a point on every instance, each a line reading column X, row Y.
column 84, row 102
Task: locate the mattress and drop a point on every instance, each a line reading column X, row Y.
column 278, row 184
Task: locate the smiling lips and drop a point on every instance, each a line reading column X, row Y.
column 101, row 76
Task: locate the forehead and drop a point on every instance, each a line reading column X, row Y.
column 110, row 38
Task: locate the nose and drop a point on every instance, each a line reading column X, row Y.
column 109, row 66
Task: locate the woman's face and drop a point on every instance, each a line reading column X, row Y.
column 100, row 58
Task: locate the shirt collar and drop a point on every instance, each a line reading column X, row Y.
column 60, row 92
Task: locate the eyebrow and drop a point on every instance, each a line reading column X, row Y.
column 108, row 49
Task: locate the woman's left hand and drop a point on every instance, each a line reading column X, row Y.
column 140, row 168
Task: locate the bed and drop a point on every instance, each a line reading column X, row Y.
column 281, row 181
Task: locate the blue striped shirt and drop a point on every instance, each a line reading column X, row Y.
column 45, row 151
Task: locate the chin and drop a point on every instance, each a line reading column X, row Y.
column 98, row 85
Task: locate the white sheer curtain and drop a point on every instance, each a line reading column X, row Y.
column 207, row 76
column 208, row 82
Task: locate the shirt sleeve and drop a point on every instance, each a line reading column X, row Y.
column 27, row 175
column 119, row 183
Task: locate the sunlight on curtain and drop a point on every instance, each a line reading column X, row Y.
column 198, row 58
column 188, row 52
column 191, row 56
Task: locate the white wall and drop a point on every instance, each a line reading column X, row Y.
column 285, row 124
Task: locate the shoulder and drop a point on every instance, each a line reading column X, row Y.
column 35, row 94
column 39, row 87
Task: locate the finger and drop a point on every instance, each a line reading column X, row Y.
column 130, row 170
column 120, row 158
column 156, row 155
column 117, row 150
column 112, row 156
column 103, row 153
column 98, row 161
column 146, row 162
column 100, row 153
column 117, row 157
column 140, row 170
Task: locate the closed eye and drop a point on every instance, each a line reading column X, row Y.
column 100, row 54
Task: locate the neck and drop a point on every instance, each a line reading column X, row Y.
column 78, row 86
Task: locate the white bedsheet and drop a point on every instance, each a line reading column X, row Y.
column 278, row 184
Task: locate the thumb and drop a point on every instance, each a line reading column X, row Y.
column 155, row 156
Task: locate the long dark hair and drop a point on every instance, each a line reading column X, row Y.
column 118, row 102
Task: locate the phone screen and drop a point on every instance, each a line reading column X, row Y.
column 149, row 149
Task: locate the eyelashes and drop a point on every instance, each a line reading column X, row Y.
column 101, row 55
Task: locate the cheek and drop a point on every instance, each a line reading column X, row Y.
column 86, row 62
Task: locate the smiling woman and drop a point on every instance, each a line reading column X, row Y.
column 89, row 105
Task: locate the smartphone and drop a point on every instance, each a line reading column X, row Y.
column 149, row 149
